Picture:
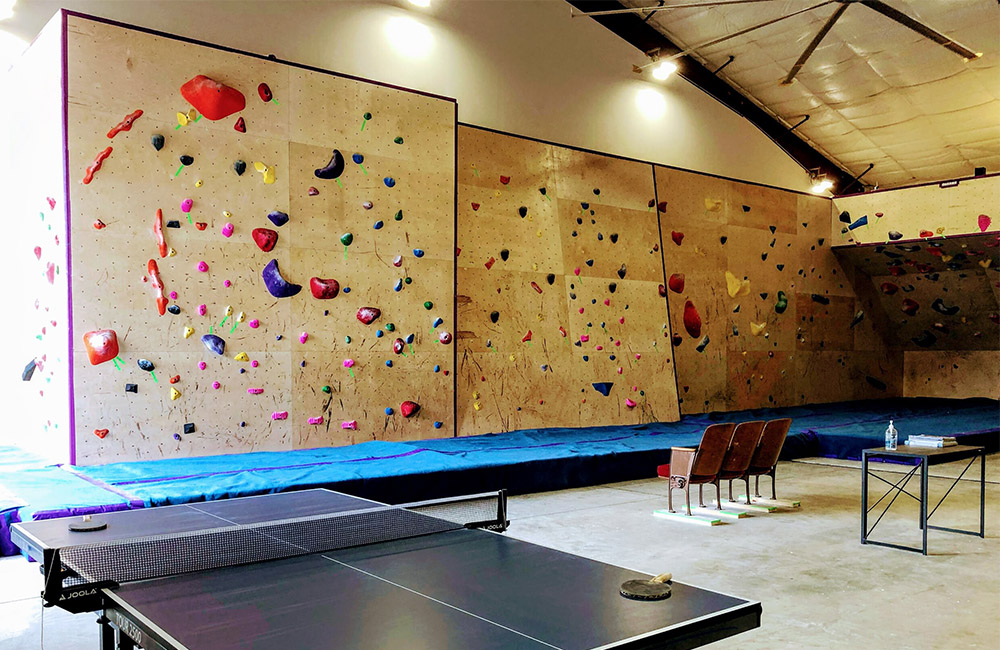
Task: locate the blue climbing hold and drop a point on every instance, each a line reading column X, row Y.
column 863, row 221
column 604, row 387
column 378, row 334
column 358, row 158
column 346, row 290
column 398, row 286
column 378, row 225
column 388, row 410
column 437, row 425
column 418, row 252
column 437, row 321
column 389, row 181
column 409, row 339
column 388, row 363
column 437, row 368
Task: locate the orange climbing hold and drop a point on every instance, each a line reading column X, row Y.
column 125, row 124
column 102, row 345
column 158, row 231
column 154, row 275
column 692, row 320
column 212, row 99
column 96, row 165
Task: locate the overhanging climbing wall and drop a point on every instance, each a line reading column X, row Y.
column 761, row 312
column 244, row 351
column 561, row 322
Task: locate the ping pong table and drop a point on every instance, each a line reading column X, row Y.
column 320, row 569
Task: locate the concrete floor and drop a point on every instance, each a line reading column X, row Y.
column 819, row 587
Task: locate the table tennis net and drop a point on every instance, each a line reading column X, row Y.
column 156, row 556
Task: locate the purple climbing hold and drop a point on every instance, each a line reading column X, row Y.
column 214, row 344
column 333, row 169
column 277, row 285
column 278, row 218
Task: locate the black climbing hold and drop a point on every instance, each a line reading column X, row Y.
column 590, row 262
column 894, row 235
column 603, row 387
column 772, row 243
column 504, row 254
column 621, row 272
column 186, row 160
column 157, row 141
column 925, row 340
column 584, row 205
column 572, row 296
column 858, row 317
column 550, row 278
column 574, row 233
column 772, row 229
column 821, row 240
column 243, row 424
column 723, row 239
column 736, row 309
column 763, row 296
column 763, row 256
column 239, row 167
column 174, row 309
column 614, row 238
column 845, row 217
column 332, row 169
column 746, row 208
column 875, row 383
column 938, row 306
column 367, row 116
column 780, row 267
column 146, row 364
column 579, row 221
column 597, row 191
column 523, row 211
column 173, row 223
column 494, row 316
column 189, row 427
column 823, row 300
column 28, row 371
column 613, row 287
column 131, row 388
column 600, row 237
column 542, row 190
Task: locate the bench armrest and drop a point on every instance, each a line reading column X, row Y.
column 681, row 460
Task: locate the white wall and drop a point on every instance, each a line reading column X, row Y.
column 522, row 66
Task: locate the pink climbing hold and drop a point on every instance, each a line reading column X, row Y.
column 254, row 323
column 312, row 191
column 227, row 230
column 692, row 320
column 349, row 424
column 202, row 365
column 227, row 283
column 173, row 295
column 629, row 402
column 607, row 302
column 409, row 409
column 303, row 337
column 317, row 420
column 368, row 314
column 254, row 363
column 584, row 338
column 255, row 391
column 216, row 385
column 599, row 348
column 444, row 337
column 348, row 363
column 202, row 266
column 279, row 415
column 984, row 222
column 576, row 271
column 637, row 356
column 186, row 205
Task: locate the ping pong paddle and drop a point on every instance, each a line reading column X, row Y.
column 87, row 524
column 656, row 588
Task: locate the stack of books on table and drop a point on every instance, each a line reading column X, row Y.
column 931, row 441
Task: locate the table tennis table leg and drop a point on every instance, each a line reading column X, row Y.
column 864, row 497
column 982, row 493
column 107, row 633
column 923, row 499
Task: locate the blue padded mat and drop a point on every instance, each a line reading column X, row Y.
column 521, row 461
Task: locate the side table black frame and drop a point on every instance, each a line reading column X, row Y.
column 926, row 456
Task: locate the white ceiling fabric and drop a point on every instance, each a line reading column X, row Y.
column 875, row 91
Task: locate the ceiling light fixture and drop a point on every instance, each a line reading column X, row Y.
column 664, row 69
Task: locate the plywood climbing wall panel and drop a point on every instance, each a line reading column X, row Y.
column 952, row 373
column 558, row 282
column 383, row 229
column 762, row 314
column 916, row 212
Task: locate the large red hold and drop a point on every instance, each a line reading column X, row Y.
column 212, row 99
column 102, row 345
column 910, row 306
column 324, row 289
column 368, row 314
column 265, row 238
column 692, row 321
column 676, row 283
column 409, row 409
column 888, row 288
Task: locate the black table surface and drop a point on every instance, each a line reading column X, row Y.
column 458, row 589
column 934, row 455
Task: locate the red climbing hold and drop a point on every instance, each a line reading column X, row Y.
column 158, row 231
column 408, row 408
column 125, row 124
column 102, row 345
column 562, row 331
column 265, row 238
column 398, row 346
column 926, row 233
column 475, row 207
column 368, row 314
column 896, row 271
column 676, row 339
column 661, row 206
column 265, row 92
column 154, row 274
column 662, row 289
column 96, row 165
column 534, row 285
column 490, row 262
column 888, row 288
column 324, row 289
column 100, row 225
column 678, row 237
column 910, row 306
column 676, row 283
column 505, row 179
column 692, row 321
column 527, row 337
column 200, row 225
column 212, row 99
column 100, row 433
column 240, row 125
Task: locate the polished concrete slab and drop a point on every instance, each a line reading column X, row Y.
column 819, row 586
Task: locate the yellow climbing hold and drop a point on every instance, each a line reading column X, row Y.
column 735, row 286
column 534, row 267
column 242, row 356
column 713, row 205
column 947, row 258
column 199, row 183
column 268, row 172
column 188, row 331
column 538, row 233
column 511, row 357
column 171, row 252
column 477, row 406
column 229, row 310
column 757, row 328
column 475, row 395
column 186, row 118
column 985, row 263
column 174, row 393
column 227, row 214
column 240, row 317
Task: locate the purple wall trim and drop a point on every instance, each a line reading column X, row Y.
column 69, row 243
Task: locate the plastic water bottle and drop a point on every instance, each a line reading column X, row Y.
column 891, row 437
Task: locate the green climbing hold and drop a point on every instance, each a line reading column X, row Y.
column 347, row 339
column 390, row 327
column 428, row 305
column 399, row 216
column 782, row 303
column 407, row 279
column 398, row 139
column 346, row 239
column 325, row 389
column 367, row 116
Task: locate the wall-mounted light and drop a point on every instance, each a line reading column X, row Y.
column 660, row 69
column 663, row 69
column 821, row 184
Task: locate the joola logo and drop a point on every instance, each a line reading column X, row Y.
column 78, row 594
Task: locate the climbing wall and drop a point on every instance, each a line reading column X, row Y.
column 952, row 373
column 290, row 295
column 37, row 362
column 561, row 320
column 920, row 212
column 761, row 312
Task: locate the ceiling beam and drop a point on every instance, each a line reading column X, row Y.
column 633, row 28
